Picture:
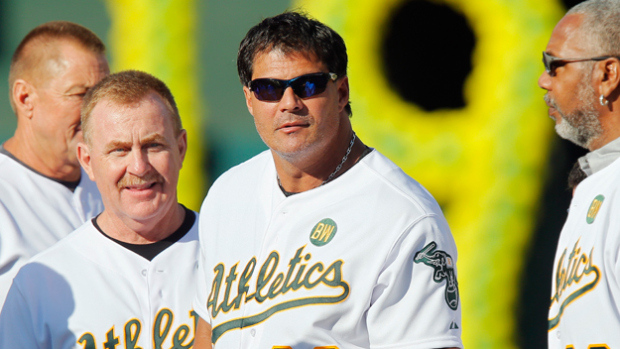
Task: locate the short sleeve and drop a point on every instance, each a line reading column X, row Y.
column 202, row 295
column 11, row 257
column 17, row 329
column 416, row 302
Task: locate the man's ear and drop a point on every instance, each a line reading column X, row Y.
column 248, row 99
column 182, row 144
column 609, row 78
column 24, row 95
column 83, row 155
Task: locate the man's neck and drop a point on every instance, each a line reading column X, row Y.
column 305, row 175
column 46, row 164
column 610, row 124
column 145, row 231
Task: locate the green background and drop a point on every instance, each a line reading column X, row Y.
column 230, row 135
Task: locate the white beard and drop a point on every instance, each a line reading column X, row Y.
column 582, row 125
column 572, row 133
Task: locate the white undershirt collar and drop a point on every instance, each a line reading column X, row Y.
column 598, row 159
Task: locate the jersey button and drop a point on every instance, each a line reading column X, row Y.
column 253, row 332
column 143, row 272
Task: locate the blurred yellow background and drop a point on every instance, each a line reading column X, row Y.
column 481, row 143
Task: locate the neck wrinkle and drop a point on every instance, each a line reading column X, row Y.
column 46, row 164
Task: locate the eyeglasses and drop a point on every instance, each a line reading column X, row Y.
column 552, row 63
column 304, row 86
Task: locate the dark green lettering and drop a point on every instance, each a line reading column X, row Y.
column 159, row 334
column 194, row 315
column 88, row 341
column 180, row 335
column 309, row 284
column 112, row 341
column 298, row 281
column 132, row 334
column 273, row 289
column 336, row 269
column 242, row 288
column 232, row 275
column 215, row 289
column 291, row 267
column 224, row 327
column 263, row 280
column 565, row 278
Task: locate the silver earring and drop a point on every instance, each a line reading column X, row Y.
column 603, row 101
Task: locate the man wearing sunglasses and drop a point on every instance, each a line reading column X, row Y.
column 320, row 241
column 582, row 78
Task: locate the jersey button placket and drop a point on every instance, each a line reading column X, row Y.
column 250, row 338
column 145, row 303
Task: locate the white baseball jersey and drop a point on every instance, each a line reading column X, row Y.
column 36, row 212
column 585, row 295
column 89, row 292
column 364, row 261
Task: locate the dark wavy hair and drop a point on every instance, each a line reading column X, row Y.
column 291, row 32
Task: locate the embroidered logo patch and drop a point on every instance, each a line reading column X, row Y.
column 444, row 270
column 323, row 232
column 594, row 207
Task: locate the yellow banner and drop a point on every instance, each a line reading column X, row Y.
column 159, row 37
column 485, row 162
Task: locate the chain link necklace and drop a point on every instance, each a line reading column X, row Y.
column 344, row 159
column 333, row 174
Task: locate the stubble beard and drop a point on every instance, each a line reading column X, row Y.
column 581, row 126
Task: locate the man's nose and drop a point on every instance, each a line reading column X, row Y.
column 544, row 81
column 290, row 101
column 139, row 163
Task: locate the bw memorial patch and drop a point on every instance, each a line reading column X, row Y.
column 323, row 232
column 595, row 206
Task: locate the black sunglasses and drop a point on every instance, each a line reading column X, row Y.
column 304, row 86
column 552, row 63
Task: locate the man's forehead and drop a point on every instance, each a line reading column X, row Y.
column 107, row 104
column 277, row 63
column 60, row 54
column 115, row 108
column 129, row 130
column 279, row 53
column 114, row 98
column 567, row 37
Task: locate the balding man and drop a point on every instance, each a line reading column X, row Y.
column 43, row 194
column 582, row 80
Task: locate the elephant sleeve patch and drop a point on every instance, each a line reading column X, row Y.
column 443, row 266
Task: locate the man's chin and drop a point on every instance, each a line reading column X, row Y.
column 570, row 133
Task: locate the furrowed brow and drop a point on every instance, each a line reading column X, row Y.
column 117, row 144
column 154, row 138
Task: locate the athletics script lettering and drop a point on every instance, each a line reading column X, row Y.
column 308, row 283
